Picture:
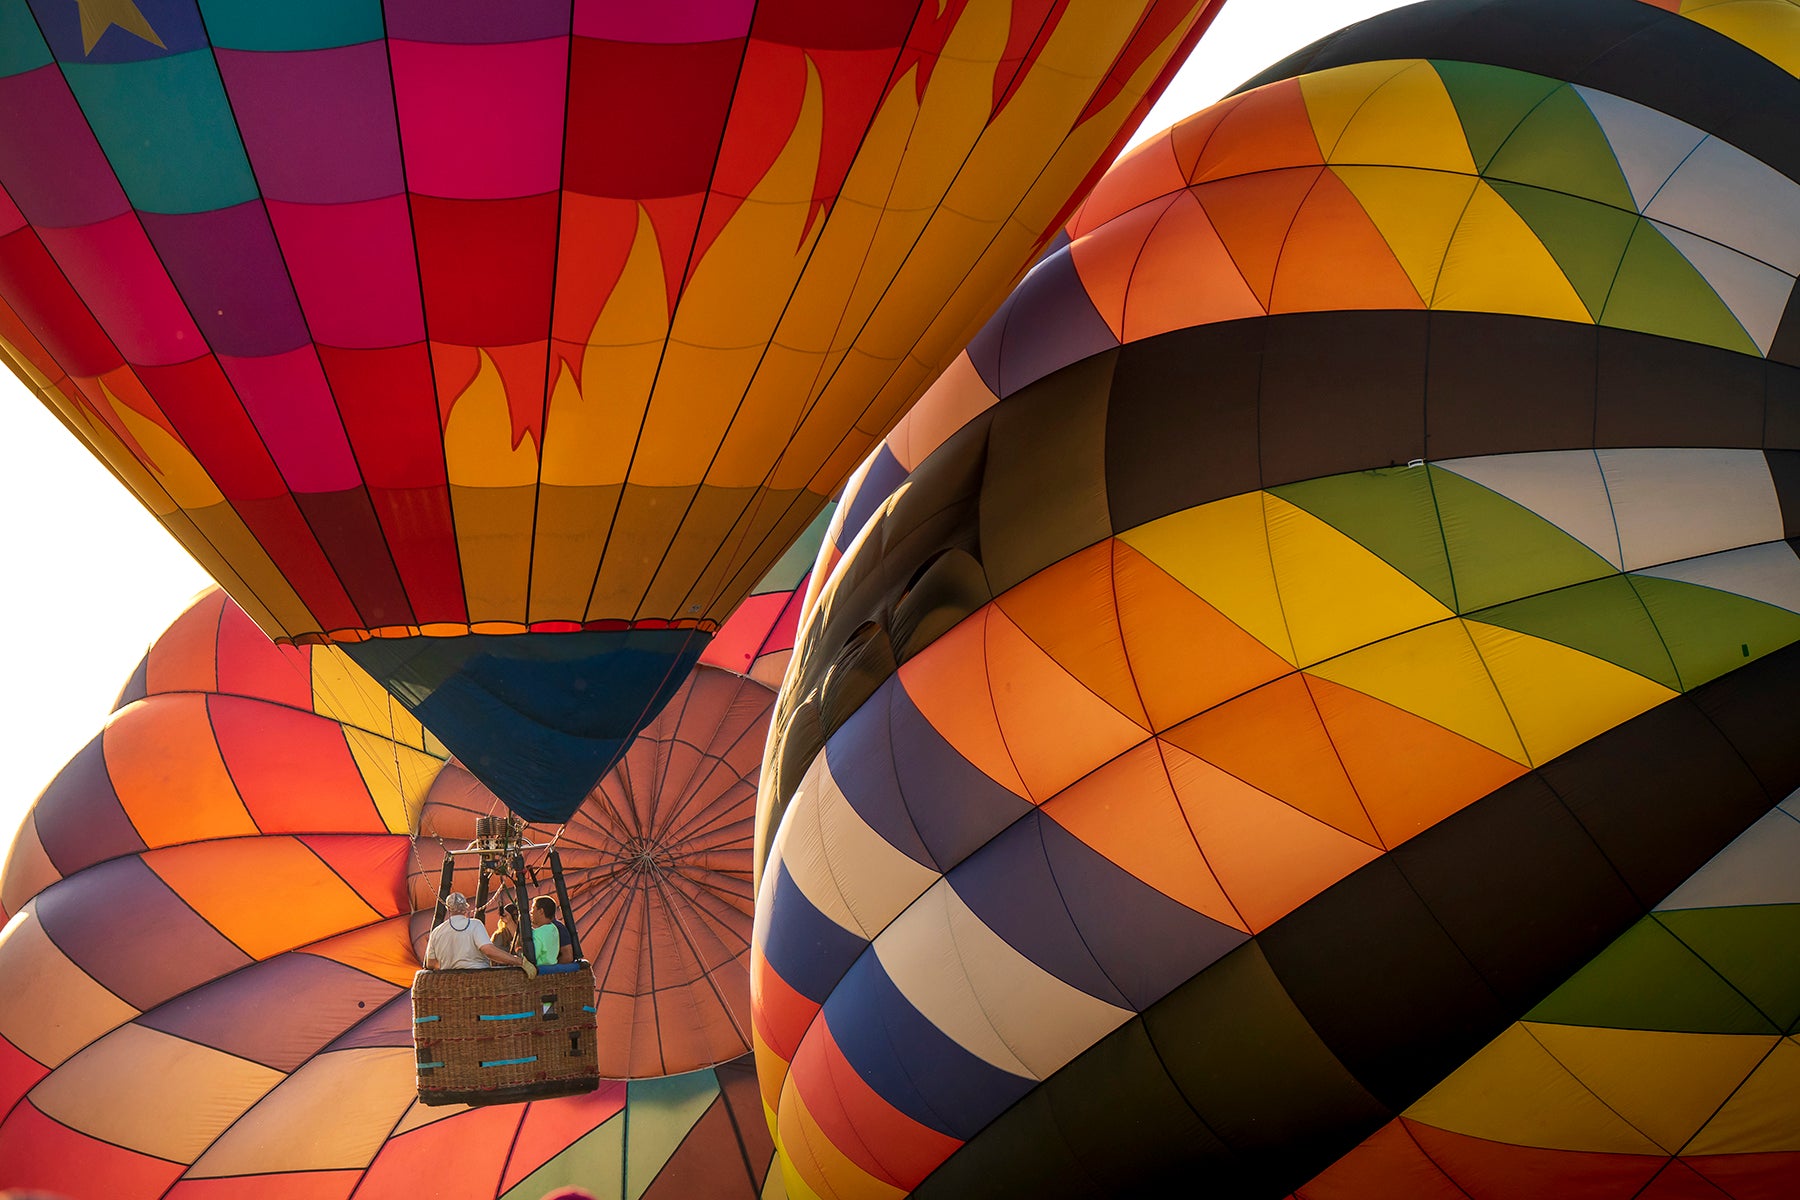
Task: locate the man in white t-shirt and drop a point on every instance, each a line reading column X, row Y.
column 462, row 942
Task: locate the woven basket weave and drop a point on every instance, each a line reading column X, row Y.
column 496, row 1037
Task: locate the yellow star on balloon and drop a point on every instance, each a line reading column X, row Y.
column 97, row 16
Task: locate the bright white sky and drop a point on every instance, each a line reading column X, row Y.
column 89, row 579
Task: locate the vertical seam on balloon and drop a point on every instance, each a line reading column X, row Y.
column 512, row 1148
column 352, row 889
column 1263, row 497
column 664, row 888
column 312, row 347
column 1468, row 201
column 975, row 998
column 543, row 433
column 737, row 1132
column 1199, row 850
column 663, row 825
column 625, row 1143
column 613, row 809
column 1481, row 175
column 1156, row 740
column 1512, row 722
column 758, row 491
column 760, row 498
column 1193, row 189
column 826, row 1080
column 438, row 414
column 1612, row 509
column 678, row 833
column 1405, row 1125
column 891, row 760
column 125, row 363
column 1169, row 1074
column 987, row 677
column 1381, row 843
column 1644, row 905
column 1125, row 1003
column 648, row 960
column 605, row 950
column 1774, row 1045
column 1775, row 1039
column 1631, row 581
column 237, row 791
column 1636, row 229
column 1655, row 914
column 1437, row 504
column 669, row 335
column 1125, row 295
column 1524, row 1027
column 1401, row 66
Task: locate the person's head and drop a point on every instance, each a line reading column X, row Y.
column 543, row 910
column 456, row 904
column 510, row 914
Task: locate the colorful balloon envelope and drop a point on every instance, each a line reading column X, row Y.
column 657, row 870
column 209, row 952
column 509, row 345
column 1363, row 594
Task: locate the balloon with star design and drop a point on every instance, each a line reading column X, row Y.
column 509, row 344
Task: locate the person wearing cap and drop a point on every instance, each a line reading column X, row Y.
column 461, row 942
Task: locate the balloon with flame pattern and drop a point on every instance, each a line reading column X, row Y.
column 509, row 344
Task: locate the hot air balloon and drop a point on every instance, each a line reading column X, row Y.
column 657, row 884
column 208, row 956
column 508, row 345
column 1366, row 594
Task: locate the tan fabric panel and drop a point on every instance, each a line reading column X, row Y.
column 153, row 1092
column 332, row 1114
column 49, row 1007
column 1676, row 504
column 28, row 869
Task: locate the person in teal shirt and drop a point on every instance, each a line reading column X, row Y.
column 544, row 909
column 546, row 943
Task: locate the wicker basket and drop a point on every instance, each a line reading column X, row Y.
column 495, row 1037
